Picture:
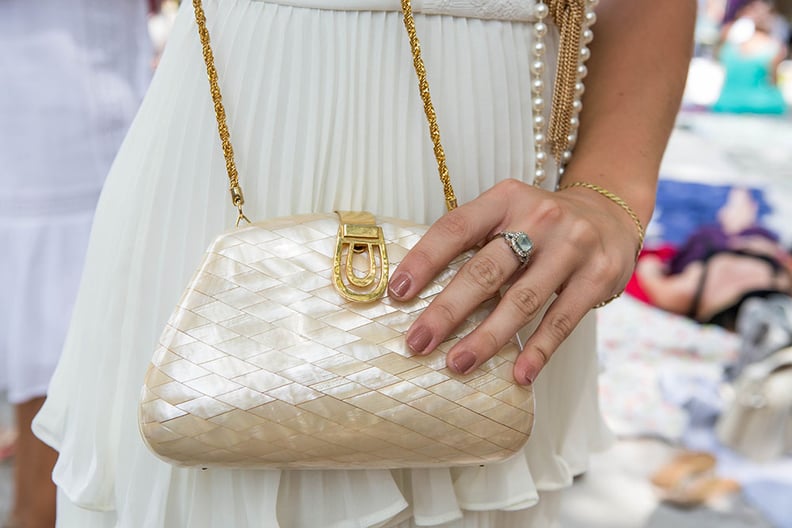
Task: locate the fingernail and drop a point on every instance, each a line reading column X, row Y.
column 464, row 362
column 529, row 378
column 419, row 340
column 400, row 283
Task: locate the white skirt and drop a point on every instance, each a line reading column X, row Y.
column 324, row 114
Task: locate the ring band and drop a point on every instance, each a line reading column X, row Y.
column 520, row 243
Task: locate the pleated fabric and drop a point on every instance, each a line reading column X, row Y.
column 324, row 114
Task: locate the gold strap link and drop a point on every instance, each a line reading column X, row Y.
column 237, row 198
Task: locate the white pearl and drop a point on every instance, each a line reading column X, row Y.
column 582, row 71
column 574, row 122
column 571, row 139
column 592, row 3
column 566, row 156
column 587, row 36
column 590, row 18
column 537, row 69
column 585, row 53
column 577, row 106
column 580, row 88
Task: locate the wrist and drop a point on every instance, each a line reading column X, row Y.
column 615, row 200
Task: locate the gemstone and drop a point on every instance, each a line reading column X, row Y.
column 523, row 243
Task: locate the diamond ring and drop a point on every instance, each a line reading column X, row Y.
column 520, row 243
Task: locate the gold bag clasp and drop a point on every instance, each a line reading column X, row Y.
column 360, row 239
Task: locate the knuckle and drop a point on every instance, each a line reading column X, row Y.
column 445, row 312
column 549, row 212
column 602, row 269
column 454, row 225
column 485, row 342
column 491, row 343
column 421, row 258
column 539, row 355
column 525, row 300
column 509, row 186
column 583, row 232
column 560, row 326
column 484, row 272
column 608, row 269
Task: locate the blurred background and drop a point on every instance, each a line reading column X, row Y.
column 695, row 358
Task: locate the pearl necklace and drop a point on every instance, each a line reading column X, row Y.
column 537, row 72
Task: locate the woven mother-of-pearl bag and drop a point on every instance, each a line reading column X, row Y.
column 285, row 351
column 264, row 363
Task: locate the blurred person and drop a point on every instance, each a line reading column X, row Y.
column 750, row 53
column 718, row 268
column 72, row 75
column 731, row 10
column 780, row 24
column 708, row 24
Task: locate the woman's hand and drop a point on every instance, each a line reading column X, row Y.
column 585, row 248
column 585, row 244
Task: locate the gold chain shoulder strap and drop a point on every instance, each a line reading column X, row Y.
column 237, row 197
column 568, row 15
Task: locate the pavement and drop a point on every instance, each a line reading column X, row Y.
column 615, row 492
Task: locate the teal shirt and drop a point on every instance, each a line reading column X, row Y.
column 747, row 87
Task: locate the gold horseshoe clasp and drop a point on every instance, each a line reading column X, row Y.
column 360, row 241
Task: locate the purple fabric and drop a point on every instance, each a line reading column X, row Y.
column 707, row 241
column 732, row 7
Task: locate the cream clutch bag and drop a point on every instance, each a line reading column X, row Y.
column 285, row 351
column 264, row 363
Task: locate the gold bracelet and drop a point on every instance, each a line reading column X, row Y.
column 618, row 201
column 627, row 209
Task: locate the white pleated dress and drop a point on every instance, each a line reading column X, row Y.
column 324, row 114
column 72, row 75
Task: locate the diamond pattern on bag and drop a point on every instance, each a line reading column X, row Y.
column 262, row 364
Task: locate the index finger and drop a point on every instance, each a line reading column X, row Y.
column 454, row 233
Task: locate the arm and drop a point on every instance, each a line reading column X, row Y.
column 639, row 62
column 724, row 33
column 673, row 293
column 585, row 243
column 777, row 60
